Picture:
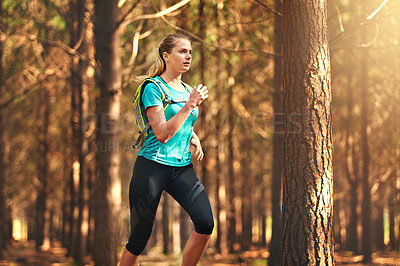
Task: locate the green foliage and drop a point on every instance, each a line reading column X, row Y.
column 58, row 23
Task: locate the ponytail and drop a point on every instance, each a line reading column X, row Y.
column 166, row 46
column 158, row 66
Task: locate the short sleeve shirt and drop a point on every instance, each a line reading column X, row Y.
column 176, row 151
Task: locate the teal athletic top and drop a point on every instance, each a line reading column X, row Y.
column 176, row 151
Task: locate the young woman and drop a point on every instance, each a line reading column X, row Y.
column 165, row 162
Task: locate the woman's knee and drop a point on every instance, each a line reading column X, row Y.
column 205, row 226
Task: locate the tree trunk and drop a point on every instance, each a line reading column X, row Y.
column 220, row 189
column 185, row 227
column 307, row 206
column 76, row 85
column 379, row 225
column 83, row 107
column 352, row 232
column 392, row 218
column 351, row 173
column 42, row 212
column 275, row 246
column 107, row 188
column 230, row 185
column 204, row 108
column 246, row 195
column 165, row 224
column 366, row 199
column 3, row 221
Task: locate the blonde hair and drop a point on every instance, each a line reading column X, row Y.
column 167, row 44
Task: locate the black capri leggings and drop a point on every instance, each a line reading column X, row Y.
column 147, row 184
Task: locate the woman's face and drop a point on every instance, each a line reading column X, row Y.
column 180, row 57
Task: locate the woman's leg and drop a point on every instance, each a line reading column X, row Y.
column 195, row 248
column 147, row 183
column 191, row 195
column 128, row 259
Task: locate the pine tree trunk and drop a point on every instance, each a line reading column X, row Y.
column 230, row 184
column 76, row 84
column 379, row 224
column 246, row 195
column 107, row 188
column 83, row 107
column 185, row 227
column 275, row 246
column 42, row 212
column 365, row 186
column 165, row 224
column 352, row 232
column 307, row 205
column 220, row 189
column 392, row 218
column 351, row 174
column 3, row 221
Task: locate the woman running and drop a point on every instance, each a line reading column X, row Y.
column 165, row 162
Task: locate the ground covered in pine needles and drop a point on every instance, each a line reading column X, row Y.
column 24, row 253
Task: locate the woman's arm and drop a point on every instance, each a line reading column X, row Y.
column 195, row 141
column 165, row 130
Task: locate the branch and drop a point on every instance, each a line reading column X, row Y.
column 44, row 77
column 216, row 45
column 377, row 10
column 366, row 47
column 365, row 22
column 66, row 48
column 127, row 14
column 249, row 117
column 158, row 14
column 269, row 8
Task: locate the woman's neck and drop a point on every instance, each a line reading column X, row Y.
column 171, row 78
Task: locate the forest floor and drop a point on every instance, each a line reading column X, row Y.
column 21, row 253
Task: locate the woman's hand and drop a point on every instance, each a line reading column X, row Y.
column 198, row 95
column 195, row 141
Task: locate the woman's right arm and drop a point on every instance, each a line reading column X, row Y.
column 165, row 130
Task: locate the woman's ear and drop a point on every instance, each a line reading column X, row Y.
column 165, row 56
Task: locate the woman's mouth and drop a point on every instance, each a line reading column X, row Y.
column 186, row 64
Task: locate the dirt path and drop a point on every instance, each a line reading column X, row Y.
column 24, row 253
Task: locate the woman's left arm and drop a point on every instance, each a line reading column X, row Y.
column 195, row 141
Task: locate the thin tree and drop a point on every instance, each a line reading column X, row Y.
column 77, row 164
column 275, row 246
column 351, row 171
column 220, row 195
column 365, row 186
column 107, row 188
column 307, row 205
column 3, row 220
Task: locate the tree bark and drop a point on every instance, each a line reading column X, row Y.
column 165, row 224
column 351, row 173
column 42, row 212
column 230, row 184
column 275, row 246
column 392, row 218
column 307, row 206
column 76, row 85
column 3, row 221
column 247, row 190
column 365, row 186
column 379, row 224
column 108, row 185
column 83, row 107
